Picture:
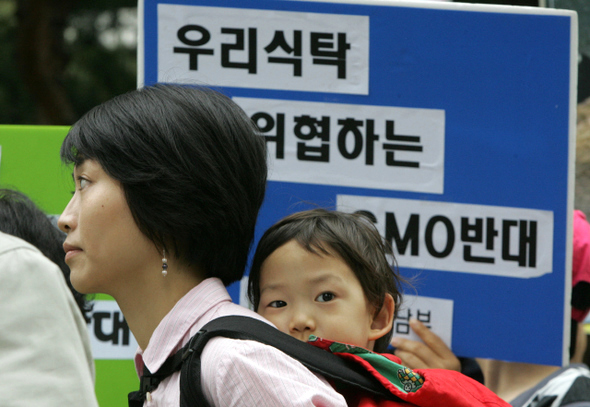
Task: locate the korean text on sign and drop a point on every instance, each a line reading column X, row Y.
column 376, row 147
column 263, row 49
column 479, row 239
column 109, row 333
column 435, row 313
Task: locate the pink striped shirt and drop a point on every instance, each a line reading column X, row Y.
column 233, row 372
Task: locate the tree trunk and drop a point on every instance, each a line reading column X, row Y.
column 42, row 59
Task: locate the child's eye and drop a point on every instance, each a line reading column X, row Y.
column 325, row 297
column 277, row 304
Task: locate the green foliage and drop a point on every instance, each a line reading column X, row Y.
column 16, row 106
column 98, row 71
column 95, row 69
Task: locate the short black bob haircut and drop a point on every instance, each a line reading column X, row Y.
column 192, row 165
column 352, row 237
column 21, row 217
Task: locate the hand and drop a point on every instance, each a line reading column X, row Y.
column 432, row 354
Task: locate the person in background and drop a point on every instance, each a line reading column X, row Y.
column 21, row 217
column 45, row 354
column 524, row 384
column 558, row 387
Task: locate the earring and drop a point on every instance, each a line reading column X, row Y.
column 164, row 264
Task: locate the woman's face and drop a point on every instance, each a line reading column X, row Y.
column 105, row 249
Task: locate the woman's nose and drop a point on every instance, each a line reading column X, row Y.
column 67, row 220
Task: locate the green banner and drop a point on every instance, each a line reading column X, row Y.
column 30, row 163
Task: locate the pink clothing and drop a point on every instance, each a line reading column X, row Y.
column 233, row 372
column 581, row 258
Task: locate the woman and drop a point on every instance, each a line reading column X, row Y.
column 169, row 181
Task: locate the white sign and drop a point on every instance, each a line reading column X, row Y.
column 478, row 239
column 435, row 313
column 110, row 336
column 376, row 147
column 263, row 49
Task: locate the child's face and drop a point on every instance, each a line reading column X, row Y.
column 303, row 293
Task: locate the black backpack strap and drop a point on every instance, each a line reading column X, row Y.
column 238, row 327
column 149, row 381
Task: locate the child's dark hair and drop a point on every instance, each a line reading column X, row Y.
column 350, row 236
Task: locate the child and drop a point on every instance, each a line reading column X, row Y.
column 341, row 267
column 324, row 277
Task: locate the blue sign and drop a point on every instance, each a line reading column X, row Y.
column 451, row 124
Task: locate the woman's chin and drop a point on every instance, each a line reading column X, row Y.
column 81, row 284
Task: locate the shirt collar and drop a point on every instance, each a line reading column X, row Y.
column 187, row 316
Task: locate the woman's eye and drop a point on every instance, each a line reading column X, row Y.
column 83, row 182
column 325, row 297
column 277, row 304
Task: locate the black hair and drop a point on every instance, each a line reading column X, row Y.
column 192, row 165
column 20, row 217
column 580, row 300
column 352, row 237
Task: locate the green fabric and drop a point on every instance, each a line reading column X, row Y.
column 400, row 376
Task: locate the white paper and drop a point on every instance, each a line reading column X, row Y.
column 104, row 314
column 436, row 313
column 208, row 36
column 369, row 167
column 508, row 242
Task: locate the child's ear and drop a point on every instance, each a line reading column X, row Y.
column 383, row 321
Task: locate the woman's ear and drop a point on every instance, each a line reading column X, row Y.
column 383, row 321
